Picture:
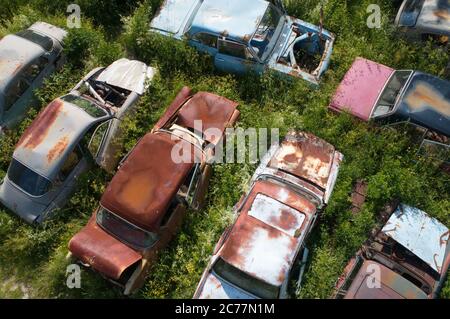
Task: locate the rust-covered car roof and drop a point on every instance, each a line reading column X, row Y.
column 147, row 181
column 305, row 156
column 265, row 237
column 51, row 137
column 389, row 284
column 213, row 110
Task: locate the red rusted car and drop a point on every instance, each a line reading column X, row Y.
column 406, row 258
column 378, row 93
column 262, row 252
column 144, row 205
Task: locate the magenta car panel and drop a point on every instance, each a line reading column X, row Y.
column 360, row 88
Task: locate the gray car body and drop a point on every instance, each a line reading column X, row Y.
column 20, row 56
column 429, row 17
column 61, row 130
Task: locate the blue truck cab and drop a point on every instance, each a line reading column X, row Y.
column 248, row 36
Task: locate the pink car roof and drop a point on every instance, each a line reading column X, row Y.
column 360, row 88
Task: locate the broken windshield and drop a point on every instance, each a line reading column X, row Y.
column 84, row 104
column 388, row 98
column 124, row 230
column 261, row 41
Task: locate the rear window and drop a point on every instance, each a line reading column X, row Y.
column 84, row 104
column 388, row 98
column 28, row 180
column 43, row 41
column 411, row 13
column 244, row 281
column 124, row 230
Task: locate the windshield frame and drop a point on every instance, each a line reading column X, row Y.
column 23, row 34
column 82, row 98
column 154, row 237
column 237, row 286
column 275, row 36
column 397, row 99
column 40, row 177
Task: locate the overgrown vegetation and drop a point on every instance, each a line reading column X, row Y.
column 32, row 260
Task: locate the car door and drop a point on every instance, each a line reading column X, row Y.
column 75, row 164
column 98, row 141
column 20, row 94
column 234, row 57
column 205, row 42
column 65, row 181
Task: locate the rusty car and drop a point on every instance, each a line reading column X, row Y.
column 145, row 203
column 406, row 257
column 264, row 250
column 248, row 36
column 374, row 92
column 423, row 19
column 26, row 59
column 68, row 135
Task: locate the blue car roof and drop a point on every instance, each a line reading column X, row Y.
column 235, row 19
column 426, row 102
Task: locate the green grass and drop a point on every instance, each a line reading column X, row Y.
column 35, row 257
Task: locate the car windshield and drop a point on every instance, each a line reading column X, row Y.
column 84, row 104
column 388, row 98
column 244, row 281
column 43, row 41
column 266, row 29
column 28, row 180
column 124, row 230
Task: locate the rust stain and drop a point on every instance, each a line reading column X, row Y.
column 442, row 14
column 38, row 130
column 58, row 149
column 424, row 97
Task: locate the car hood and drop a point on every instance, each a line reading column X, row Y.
column 217, row 288
column 103, row 252
column 426, row 101
column 20, row 203
column 50, row 30
column 127, row 74
column 360, row 88
column 389, row 284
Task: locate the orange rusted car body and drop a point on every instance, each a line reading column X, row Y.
column 146, row 201
column 256, row 256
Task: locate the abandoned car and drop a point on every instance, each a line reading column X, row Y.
column 26, row 59
column 264, row 251
column 146, row 201
column 244, row 36
column 375, row 92
column 422, row 19
column 71, row 131
column 407, row 258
